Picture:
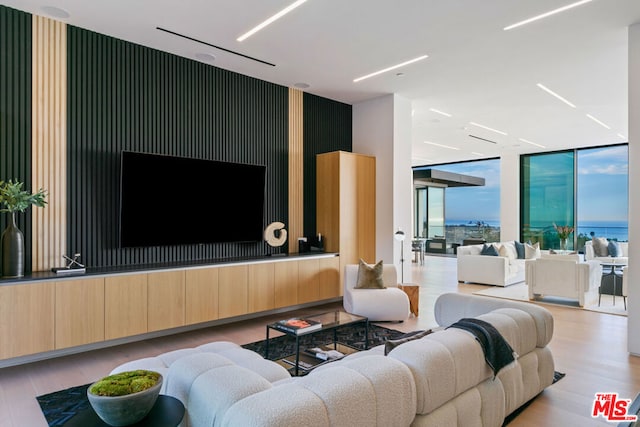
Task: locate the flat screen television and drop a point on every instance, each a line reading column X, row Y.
column 169, row 200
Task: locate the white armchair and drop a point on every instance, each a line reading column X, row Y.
column 564, row 276
column 390, row 304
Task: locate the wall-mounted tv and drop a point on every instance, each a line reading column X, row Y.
column 168, row 200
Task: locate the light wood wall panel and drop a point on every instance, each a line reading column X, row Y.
column 296, row 168
column 49, row 143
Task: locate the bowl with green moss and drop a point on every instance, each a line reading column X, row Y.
column 125, row 398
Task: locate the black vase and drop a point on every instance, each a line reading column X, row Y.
column 12, row 249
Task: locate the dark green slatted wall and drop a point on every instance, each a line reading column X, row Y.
column 15, row 109
column 128, row 97
column 327, row 127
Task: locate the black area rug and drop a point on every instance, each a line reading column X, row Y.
column 60, row 406
column 557, row 376
column 352, row 335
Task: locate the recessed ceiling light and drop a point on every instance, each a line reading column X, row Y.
column 393, row 67
column 604, row 125
column 531, row 143
column 55, row 12
column 440, row 112
column 441, row 145
column 550, row 92
column 270, row 20
column 205, row 57
column 622, row 136
column 488, row 128
column 301, row 85
column 544, row 15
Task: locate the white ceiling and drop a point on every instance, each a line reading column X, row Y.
column 475, row 71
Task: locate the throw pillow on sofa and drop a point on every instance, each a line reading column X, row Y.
column 489, row 249
column 370, row 276
column 600, row 246
column 519, row 249
column 390, row 344
column 532, row 251
column 614, row 249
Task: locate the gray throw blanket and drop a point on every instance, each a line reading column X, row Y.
column 497, row 351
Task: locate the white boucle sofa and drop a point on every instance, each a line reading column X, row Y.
column 489, row 270
column 441, row 379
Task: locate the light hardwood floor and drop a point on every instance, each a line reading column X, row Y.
column 590, row 347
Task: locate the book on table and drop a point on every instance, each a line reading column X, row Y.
column 298, row 325
column 323, row 353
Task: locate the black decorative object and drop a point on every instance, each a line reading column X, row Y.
column 12, row 249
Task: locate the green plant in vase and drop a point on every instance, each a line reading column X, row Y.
column 14, row 199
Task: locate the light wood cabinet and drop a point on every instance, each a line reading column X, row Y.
column 329, row 271
column 201, row 295
column 232, row 291
column 165, row 300
column 286, row 283
column 26, row 319
column 261, row 287
column 346, row 206
column 308, row 280
column 79, row 312
column 125, row 305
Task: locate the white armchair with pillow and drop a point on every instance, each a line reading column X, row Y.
column 387, row 303
column 564, row 276
column 600, row 249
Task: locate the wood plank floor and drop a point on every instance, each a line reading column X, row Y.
column 590, row 347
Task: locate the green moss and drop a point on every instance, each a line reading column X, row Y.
column 125, row 383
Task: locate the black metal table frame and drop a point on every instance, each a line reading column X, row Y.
column 614, row 276
column 335, row 328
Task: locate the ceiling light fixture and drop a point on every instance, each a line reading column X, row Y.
column 483, row 139
column 488, row 128
column 604, row 125
column 531, row 143
column 550, row 92
column 55, row 12
column 440, row 112
column 544, row 15
column 477, row 154
column 441, row 145
column 393, row 67
column 270, row 20
column 205, row 57
column 302, row 85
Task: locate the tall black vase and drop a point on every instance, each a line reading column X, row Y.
column 12, row 249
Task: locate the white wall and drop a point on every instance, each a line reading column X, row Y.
column 633, row 300
column 509, row 197
column 382, row 128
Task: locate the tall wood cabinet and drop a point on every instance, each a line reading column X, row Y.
column 346, row 206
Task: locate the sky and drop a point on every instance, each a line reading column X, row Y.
column 602, row 188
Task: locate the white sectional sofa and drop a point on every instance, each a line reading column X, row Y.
column 589, row 254
column 441, row 379
column 490, row 270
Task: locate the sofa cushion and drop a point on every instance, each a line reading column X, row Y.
column 532, row 251
column 519, row 249
column 614, row 249
column 410, row 336
column 507, row 250
column 489, row 249
column 600, row 246
column 370, row 277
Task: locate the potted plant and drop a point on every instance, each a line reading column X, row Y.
column 14, row 199
column 125, row 398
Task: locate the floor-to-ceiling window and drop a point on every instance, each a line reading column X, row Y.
column 585, row 189
column 429, row 212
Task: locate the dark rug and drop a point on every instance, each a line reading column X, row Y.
column 60, row 406
column 352, row 336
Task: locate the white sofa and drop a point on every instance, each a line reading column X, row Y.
column 489, row 270
column 564, row 276
column 589, row 253
column 438, row 380
column 390, row 304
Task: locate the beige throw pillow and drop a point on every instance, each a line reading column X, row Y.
column 532, row 251
column 370, row 276
column 600, row 246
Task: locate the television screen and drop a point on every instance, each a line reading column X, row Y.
column 168, row 200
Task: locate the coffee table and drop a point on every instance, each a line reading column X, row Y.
column 166, row 412
column 332, row 320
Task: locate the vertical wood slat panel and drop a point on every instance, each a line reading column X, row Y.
column 49, row 147
column 296, row 168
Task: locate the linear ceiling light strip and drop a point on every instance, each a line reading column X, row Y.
column 552, row 93
column 217, row 47
column 270, row 20
column 483, row 139
column 393, row 67
column 488, row 128
column 547, row 14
